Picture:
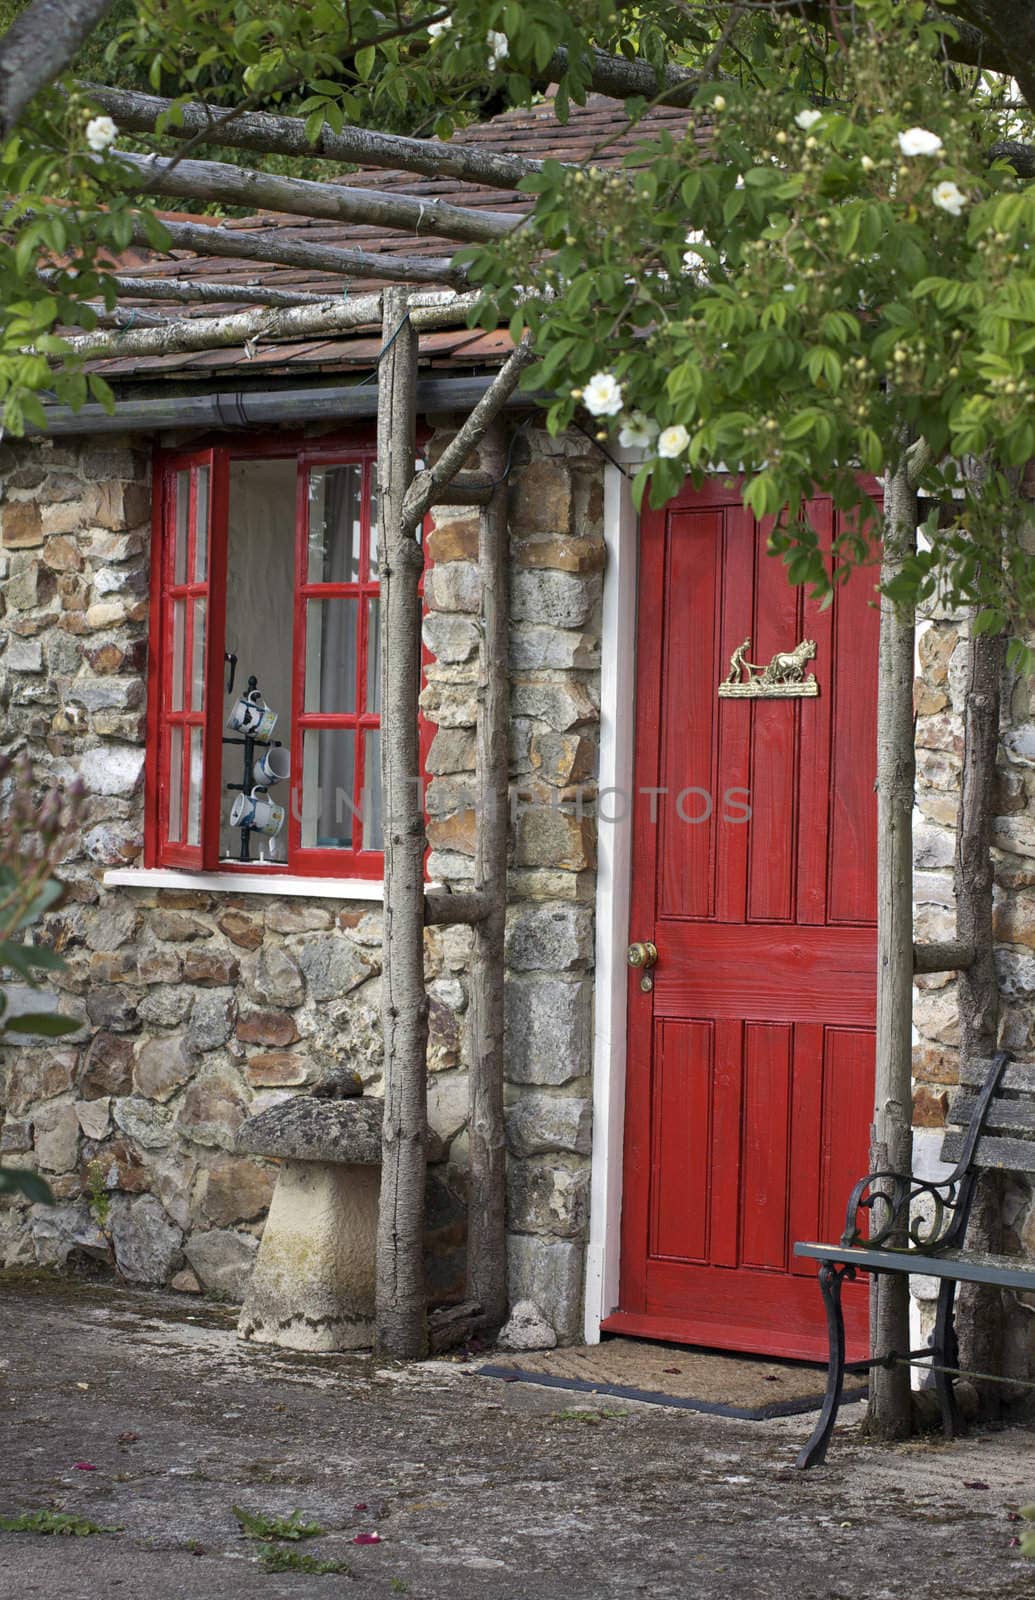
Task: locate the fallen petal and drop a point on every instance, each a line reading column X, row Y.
column 974, row 1483
column 360, row 1507
column 367, row 1538
column 84, row 1466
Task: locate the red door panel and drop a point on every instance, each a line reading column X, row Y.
column 750, row 1064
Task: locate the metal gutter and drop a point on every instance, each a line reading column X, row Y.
column 260, row 409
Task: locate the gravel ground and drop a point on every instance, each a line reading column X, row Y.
column 476, row 1488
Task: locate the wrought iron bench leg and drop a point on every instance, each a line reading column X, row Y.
column 945, row 1351
column 831, row 1278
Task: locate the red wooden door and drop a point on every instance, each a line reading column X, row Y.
column 750, row 1064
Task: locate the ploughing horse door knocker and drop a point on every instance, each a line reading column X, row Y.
column 783, row 677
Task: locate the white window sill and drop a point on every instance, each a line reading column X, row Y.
column 247, row 883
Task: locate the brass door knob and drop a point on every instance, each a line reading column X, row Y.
column 642, row 955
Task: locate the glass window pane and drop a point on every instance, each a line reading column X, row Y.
column 179, row 629
column 334, row 524
column 373, row 655
column 201, row 527
column 373, row 831
column 330, row 655
column 182, row 521
column 328, row 778
column 194, row 792
column 374, row 569
column 175, row 784
column 197, row 666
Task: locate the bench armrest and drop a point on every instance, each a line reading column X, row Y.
column 892, row 1211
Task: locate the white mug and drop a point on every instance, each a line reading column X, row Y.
column 251, row 716
column 273, row 766
column 257, row 811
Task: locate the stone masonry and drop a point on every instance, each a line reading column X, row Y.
column 199, row 1007
column 939, row 692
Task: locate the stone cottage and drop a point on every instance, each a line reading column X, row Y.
column 673, row 1125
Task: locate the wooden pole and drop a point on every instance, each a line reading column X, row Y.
column 401, row 1320
column 979, row 1313
column 244, row 243
column 266, row 191
column 486, row 1225
column 892, row 1134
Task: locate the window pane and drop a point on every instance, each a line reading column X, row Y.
column 201, row 528
column 175, row 784
column 373, row 832
column 373, row 655
column 334, row 524
column 197, row 669
column 374, row 569
column 260, row 585
column 179, row 628
column 194, row 792
column 330, row 655
column 181, row 525
column 328, row 777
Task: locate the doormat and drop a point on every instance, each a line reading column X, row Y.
column 678, row 1375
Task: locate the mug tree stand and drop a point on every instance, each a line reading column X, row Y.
column 249, row 746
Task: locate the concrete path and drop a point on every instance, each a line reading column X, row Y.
column 477, row 1488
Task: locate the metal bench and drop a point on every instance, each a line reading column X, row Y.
column 898, row 1223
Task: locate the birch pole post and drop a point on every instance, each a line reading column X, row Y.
column 486, row 1228
column 892, row 1133
column 401, row 1313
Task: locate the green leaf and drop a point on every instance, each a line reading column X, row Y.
column 47, row 1023
column 365, row 61
column 14, row 1181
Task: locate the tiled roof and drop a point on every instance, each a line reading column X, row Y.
column 600, row 126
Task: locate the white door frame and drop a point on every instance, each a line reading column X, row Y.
column 614, row 863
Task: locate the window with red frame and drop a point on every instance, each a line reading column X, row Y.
column 266, row 568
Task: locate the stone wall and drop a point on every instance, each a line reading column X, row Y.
column 201, row 1007
column 942, row 650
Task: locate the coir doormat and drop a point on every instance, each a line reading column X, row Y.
column 675, row 1375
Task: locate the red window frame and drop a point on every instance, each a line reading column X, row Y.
column 160, row 850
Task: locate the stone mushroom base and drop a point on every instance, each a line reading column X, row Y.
column 313, row 1284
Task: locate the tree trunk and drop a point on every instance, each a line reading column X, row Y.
column 38, row 46
column 486, row 1227
column 979, row 1312
column 401, row 1320
column 892, row 1142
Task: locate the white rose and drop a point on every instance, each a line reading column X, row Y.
column 919, row 142
column 499, row 48
column 673, row 441
column 437, row 29
column 637, row 431
column 807, row 119
column 602, row 396
column 100, row 133
column 947, row 197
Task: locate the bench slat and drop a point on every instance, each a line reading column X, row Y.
column 1008, row 1155
column 1004, row 1116
column 1019, row 1075
column 965, row 1266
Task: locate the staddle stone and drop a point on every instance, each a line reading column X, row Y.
column 313, row 1284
